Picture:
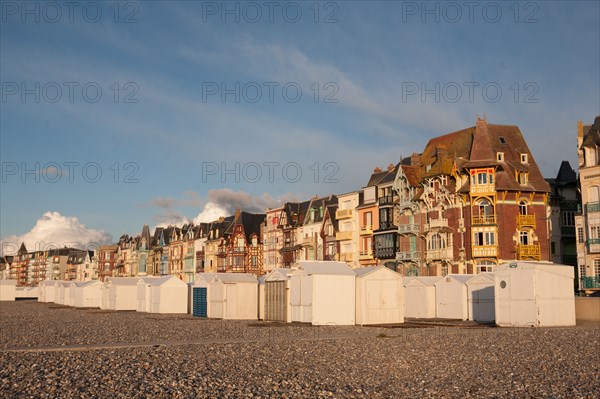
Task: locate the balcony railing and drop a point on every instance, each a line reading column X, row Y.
column 408, row 229
column 384, row 253
column 387, row 225
column 438, row 254
column 526, row 220
column 484, row 219
column 343, row 214
column 593, row 245
column 483, row 251
column 343, row 235
column 436, row 224
column 365, row 255
column 592, row 207
column 386, row 200
column 528, row 251
column 366, row 230
column 483, row 189
column 408, row 256
column 405, row 203
column 586, row 283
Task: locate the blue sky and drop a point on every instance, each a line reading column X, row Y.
column 169, row 74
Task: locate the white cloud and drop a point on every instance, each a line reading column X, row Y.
column 54, row 230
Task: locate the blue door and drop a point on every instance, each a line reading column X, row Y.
column 199, row 305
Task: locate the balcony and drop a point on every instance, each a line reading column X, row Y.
column 528, row 251
column 384, row 253
column 436, row 224
column 592, row 207
column 439, row 254
column 365, row 255
column 408, row 229
column 589, row 283
column 386, row 200
column 483, row 189
column 485, row 251
column 343, row 235
column 309, row 241
column 409, row 256
column 526, row 220
column 483, row 219
column 366, row 230
column 404, row 203
column 343, row 214
column 386, row 226
column 593, row 245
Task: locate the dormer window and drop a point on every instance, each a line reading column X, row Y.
column 502, row 140
column 523, row 158
column 500, row 156
column 523, row 178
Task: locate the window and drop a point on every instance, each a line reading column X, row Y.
column 502, row 140
column 524, row 238
column 500, row 156
column 593, row 194
column 597, row 267
column 582, row 271
column 553, row 247
column 523, row 177
column 482, row 177
column 484, row 238
column 580, row 235
column 568, row 218
column 445, row 269
column 523, row 208
column 594, row 232
column 436, row 242
column 523, row 158
column 485, row 208
column 368, row 219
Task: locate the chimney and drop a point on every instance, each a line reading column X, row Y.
column 377, row 170
column 481, row 123
column 415, row 159
column 391, row 167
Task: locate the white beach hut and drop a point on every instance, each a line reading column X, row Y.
column 261, row 298
column 379, row 296
column 104, row 296
column 277, row 306
column 8, row 290
column 143, row 293
column 451, row 297
column 122, row 293
column 168, row 294
column 480, row 297
column 27, row 292
column 47, row 289
column 233, row 296
column 87, row 294
column 199, row 295
column 62, row 292
column 323, row 293
column 419, row 297
column 534, row 294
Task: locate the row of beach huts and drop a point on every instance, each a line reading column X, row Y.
column 331, row 293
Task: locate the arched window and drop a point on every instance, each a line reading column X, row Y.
column 485, row 208
column 522, row 208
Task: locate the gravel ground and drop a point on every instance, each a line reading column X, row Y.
column 48, row 351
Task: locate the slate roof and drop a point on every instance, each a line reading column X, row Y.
column 477, row 146
column 591, row 138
